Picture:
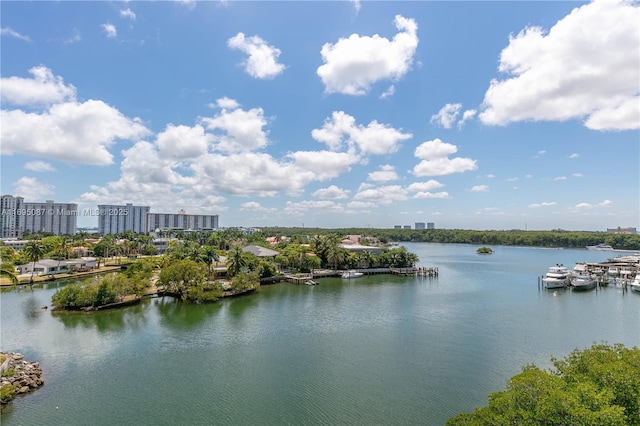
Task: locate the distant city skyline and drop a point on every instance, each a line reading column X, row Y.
column 470, row 115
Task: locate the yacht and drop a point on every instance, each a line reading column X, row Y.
column 613, row 271
column 352, row 274
column 635, row 284
column 557, row 277
column 600, row 247
column 583, row 282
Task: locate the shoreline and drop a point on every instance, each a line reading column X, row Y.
column 26, row 377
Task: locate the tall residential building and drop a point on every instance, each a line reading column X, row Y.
column 431, row 225
column 419, row 225
column 115, row 219
column 19, row 217
column 11, row 207
column 181, row 220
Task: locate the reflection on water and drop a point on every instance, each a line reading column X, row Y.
column 379, row 349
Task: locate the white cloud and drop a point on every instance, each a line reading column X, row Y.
column 466, row 116
column 331, row 193
column 39, row 166
column 353, row 64
column 128, row 13
column 583, row 206
column 383, row 195
column 570, row 73
column 424, row 186
column 110, row 30
column 356, row 5
column 447, row 115
column 543, row 204
column 574, row 155
column 560, row 178
column 31, row 188
column 226, row 103
column 12, row 33
column 577, row 175
column 182, row 142
column 480, row 188
column 375, row 138
column 385, row 174
column 605, row 203
column 256, row 207
column 435, row 161
column 43, row 89
column 70, row 131
column 389, row 92
column 512, row 179
column 361, row 205
column 263, row 59
column 428, row 194
column 300, row 208
column 238, row 130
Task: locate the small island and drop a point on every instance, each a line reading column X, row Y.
column 484, row 250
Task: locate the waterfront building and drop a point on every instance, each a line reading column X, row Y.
column 20, row 217
column 397, row 226
column 407, row 227
column 181, row 221
column 419, row 225
column 620, row 230
column 115, row 219
column 431, row 225
column 11, row 206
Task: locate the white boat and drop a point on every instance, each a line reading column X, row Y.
column 557, row 277
column 583, row 282
column 626, row 272
column 613, row 271
column 580, row 269
column 352, row 274
column 600, row 247
column 635, row 284
column 311, row 282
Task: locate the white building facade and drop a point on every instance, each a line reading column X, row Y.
column 20, row 217
column 115, row 219
column 181, row 220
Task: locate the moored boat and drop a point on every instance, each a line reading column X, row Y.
column 352, row 274
column 557, row 277
column 635, row 284
column 583, row 282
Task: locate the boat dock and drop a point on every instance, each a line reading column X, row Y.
column 322, row 273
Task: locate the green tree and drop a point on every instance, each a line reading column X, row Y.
column 595, row 386
column 182, row 276
column 34, row 250
column 236, row 261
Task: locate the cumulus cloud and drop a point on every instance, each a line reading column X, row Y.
column 238, row 130
column 375, row 138
column 226, row 103
column 429, row 185
column 300, row 208
column 605, row 203
column 352, row 65
column 128, row 13
column 466, row 116
column 39, row 166
column 256, row 207
column 12, row 33
column 429, row 194
column 32, row 189
column 182, row 142
column 570, row 73
column 383, row 195
column 447, row 115
column 263, row 59
column 543, row 204
column 560, row 178
column 110, row 30
column 385, row 174
column 331, row 193
column 42, row 89
column 435, row 161
column 480, row 188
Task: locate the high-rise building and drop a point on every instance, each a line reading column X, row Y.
column 406, row 227
column 181, row 220
column 115, row 219
column 419, row 225
column 56, row 218
column 11, row 209
column 431, row 225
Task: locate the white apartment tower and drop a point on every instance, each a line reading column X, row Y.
column 19, row 217
column 115, row 219
column 181, row 220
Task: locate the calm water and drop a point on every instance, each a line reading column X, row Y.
column 374, row 350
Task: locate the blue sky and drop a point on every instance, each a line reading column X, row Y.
column 477, row 115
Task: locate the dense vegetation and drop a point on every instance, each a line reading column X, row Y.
column 595, row 386
column 553, row 238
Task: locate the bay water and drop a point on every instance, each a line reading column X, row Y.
column 376, row 350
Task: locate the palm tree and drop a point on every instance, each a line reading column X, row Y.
column 63, row 250
column 34, row 250
column 210, row 254
column 9, row 271
column 236, row 261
